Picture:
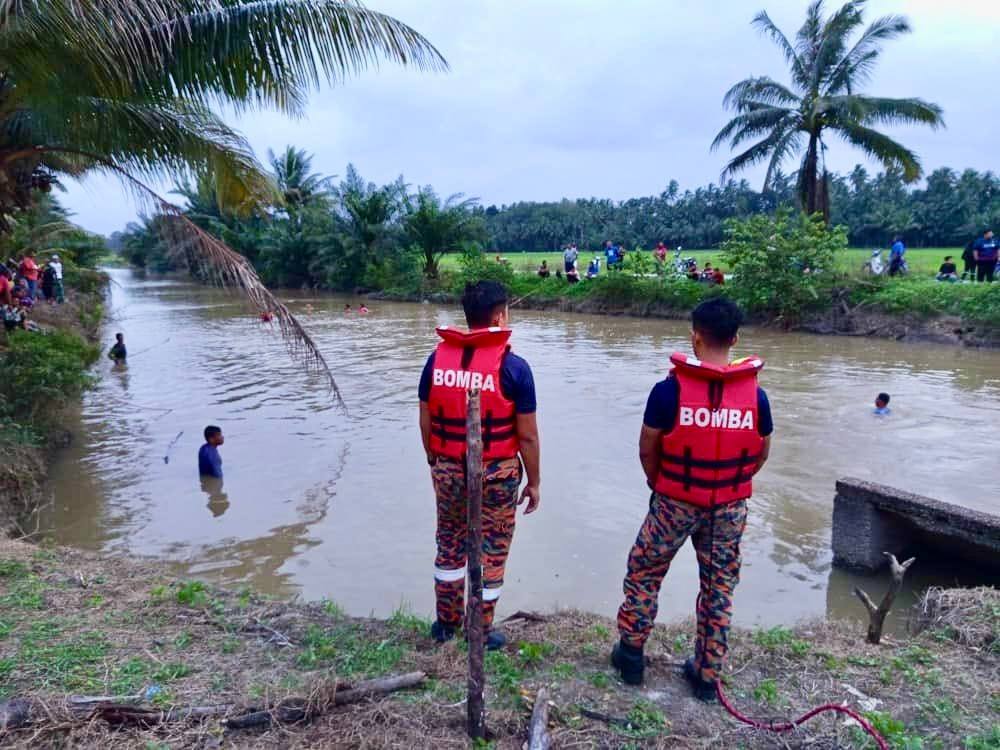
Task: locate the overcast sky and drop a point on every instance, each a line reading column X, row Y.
column 576, row 98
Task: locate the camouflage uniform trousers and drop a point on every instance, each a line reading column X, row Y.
column 667, row 526
column 501, row 479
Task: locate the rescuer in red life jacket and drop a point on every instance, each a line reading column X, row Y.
column 479, row 358
column 706, row 432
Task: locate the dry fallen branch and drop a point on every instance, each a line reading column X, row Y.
column 526, row 616
column 538, row 735
column 614, row 721
column 124, row 711
column 876, row 615
column 275, row 636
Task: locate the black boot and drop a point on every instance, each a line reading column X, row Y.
column 629, row 662
column 441, row 632
column 704, row 690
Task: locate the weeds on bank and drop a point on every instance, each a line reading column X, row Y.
column 347, row 649
column 766, row 691
column 644, row 720
column 505, row 674
column 779, row 638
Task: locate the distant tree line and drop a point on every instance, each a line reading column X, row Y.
column 947, row 211
column 318, row 232
column 351, row 233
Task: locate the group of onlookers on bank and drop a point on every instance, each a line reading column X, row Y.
column 24, row 283
column 614, row 260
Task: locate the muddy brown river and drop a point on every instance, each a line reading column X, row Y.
column 325, row 504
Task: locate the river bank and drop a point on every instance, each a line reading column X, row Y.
column 43, row 372
column 911, row 310
column 85, row 624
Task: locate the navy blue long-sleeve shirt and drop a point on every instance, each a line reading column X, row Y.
column 209, row 461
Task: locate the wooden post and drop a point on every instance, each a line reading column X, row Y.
column 876, row 615
column 474, row 548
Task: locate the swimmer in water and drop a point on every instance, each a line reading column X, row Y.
column 267, row 316
column 347, row 308
column 882, row 405
column 363, row 310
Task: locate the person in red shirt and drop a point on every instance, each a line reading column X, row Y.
column 29, row 271
column 718, row 277
column 6, row 298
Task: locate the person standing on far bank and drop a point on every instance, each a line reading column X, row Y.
column 705, row 434
column 479, row 358
column 985, row 251
column 896, row 256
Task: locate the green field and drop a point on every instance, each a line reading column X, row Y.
column 922, row 261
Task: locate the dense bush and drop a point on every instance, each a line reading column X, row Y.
column 475, row 266
column 40, row 374
column 783, row 265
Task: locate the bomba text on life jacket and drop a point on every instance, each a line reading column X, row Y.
column 730, row 419
column 464, row 379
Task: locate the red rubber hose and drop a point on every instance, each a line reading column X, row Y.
column 787, row 726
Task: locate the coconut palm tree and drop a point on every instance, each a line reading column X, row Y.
column 296, row 182
column 829, row 61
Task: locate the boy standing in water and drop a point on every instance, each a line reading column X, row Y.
column 118, row 352
column 209, row 460
column 705, row 433
column 479, row 358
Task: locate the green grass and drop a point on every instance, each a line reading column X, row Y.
column 922, row 261
column 348, row 650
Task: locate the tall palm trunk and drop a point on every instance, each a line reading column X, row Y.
column 808, row 192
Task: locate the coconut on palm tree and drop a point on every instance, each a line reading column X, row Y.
column 830, row 59
column 132, row 88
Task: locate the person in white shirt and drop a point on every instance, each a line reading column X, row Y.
column 57, row 267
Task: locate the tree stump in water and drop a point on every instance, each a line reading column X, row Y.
column 876, row 615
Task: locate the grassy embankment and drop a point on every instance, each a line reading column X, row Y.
column 74, row 623
column 41, row 372
column 922, row 261
column 915, row 306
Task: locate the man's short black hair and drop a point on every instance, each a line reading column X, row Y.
column 948, row 257
column 718, row 320
column 481, row 301
column 211, row 431
column 119, row 336
column 883, row 397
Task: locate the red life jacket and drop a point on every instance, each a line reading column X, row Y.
column 463, row 361
column 710, row 456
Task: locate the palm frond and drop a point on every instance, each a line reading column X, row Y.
column 873, row 110
column 219, row 263
column 856, row 66
column 882, row 148
column 753, row 155
column 757, row 121
column 833, row 41
column 787, row 144
column 154, row 141
column 763, row 23
column 761, row 89
column 244, row 53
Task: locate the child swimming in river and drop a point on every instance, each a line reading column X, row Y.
column 882, row 405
